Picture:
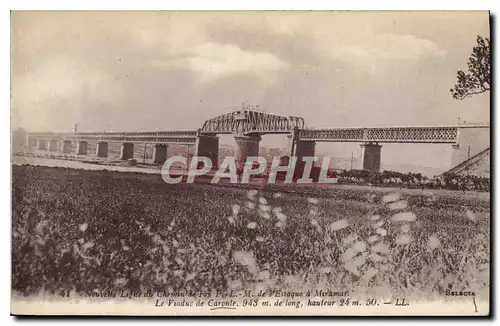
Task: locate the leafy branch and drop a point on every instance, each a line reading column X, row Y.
column 477, row 79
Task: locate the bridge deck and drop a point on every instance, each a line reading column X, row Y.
column 177, row 137
column 424, row 134
column 412, row 134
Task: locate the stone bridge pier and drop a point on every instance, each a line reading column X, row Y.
column 246, row 146
column 371, row 156
column 82, row 147
column 66, row 146
column 33, row 143
column 304, row 148
column 208, row 146
column 41, row 144
column 127, row 151
column 160, row 153
column 102, row 149
column 53, row 145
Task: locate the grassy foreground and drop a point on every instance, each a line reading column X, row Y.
column 81, row 230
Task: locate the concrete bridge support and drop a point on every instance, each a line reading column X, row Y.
column 41, row 144
column 304, row 148
column 127, row 151
column 53, row 144
column 371, row 156
column 160, row 153
column 208, row 146
column 82, row 147
column 246, row 146
column 19, row 140
column 66, row 146
column 102, row 149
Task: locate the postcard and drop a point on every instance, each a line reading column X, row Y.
column 261, row 163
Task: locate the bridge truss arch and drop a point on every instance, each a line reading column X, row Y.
column 246, row 122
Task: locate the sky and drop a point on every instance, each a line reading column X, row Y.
column 134, row 71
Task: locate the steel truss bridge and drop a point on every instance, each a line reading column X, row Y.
column 246, row 122
column 424, row 134
column 253, row 122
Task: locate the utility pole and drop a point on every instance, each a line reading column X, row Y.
column 76, row 128
column 144, row 155
column 468, row 157
column 352, row 158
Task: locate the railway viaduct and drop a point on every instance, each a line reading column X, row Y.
column 248, row 126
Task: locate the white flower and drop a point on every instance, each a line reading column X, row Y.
column 349, row 239
column 120, row 281
column 405, row 228
column 369, row 274
column 338, row 225
column 265, row 208
column 190, row 276
column 250, row 205
column 390, row 198
column 433, row 242
column 470, row 215
column 247, row 259
column 404, row 217
column 359, row 246
column 325, row 270
column 263, row 275
column 403, row 239
column 382, row 232
column 83, row 227
column 313, row 201
column 398, row 205
column 348, row 254
column 376, row 257
column 251, row 225
column 265, row 215
column 282, row 217
column 381, row 247
column 252, row 193
column 236, row 209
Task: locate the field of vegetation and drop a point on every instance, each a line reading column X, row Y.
column 80, row 230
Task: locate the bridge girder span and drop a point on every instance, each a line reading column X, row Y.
column 245, row 122
column 433, row 135
column 160, row 137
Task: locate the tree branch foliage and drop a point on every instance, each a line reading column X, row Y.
column 477, row 79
